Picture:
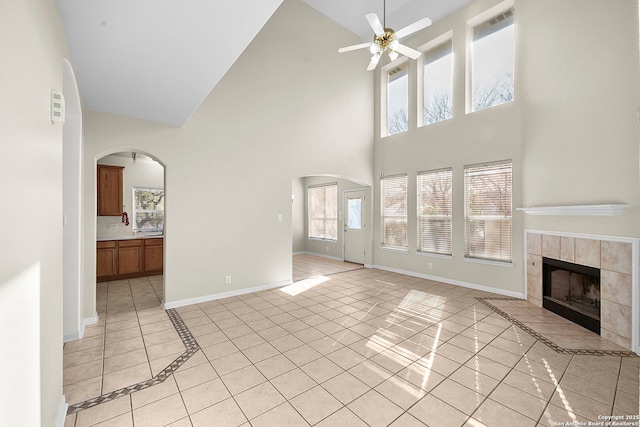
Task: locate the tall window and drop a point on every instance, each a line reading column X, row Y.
column 487, row 211
column 148, row 213
column 323, row 212
column 434, row 211
column 492, row 62
column 394, row 211
column 438, row 84
column 397, row 99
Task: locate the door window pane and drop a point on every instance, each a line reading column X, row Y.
column 354, row 214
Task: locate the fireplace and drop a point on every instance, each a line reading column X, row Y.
column 572, row 291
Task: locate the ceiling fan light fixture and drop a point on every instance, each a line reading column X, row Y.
column 387, row 40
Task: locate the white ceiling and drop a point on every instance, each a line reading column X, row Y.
column 158, row 59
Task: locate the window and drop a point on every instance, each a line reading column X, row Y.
column 394, row 211
column 438, row 84
column 323, row 212
column 397, row 99
column 492, row 62
column 487, row 211
column 434, row 211
column 148, row 212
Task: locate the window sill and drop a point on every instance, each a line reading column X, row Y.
column 392, row 249
column 433, row 255
column 317, row 239
column 489, row 262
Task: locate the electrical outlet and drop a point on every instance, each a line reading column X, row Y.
column 430, row 266
column 112, row 226
column 227, row 279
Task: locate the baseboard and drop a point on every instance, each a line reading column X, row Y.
column 453, row 282
column 74, row 336
column 61, row 414
column 90, row 320
column 212, row 297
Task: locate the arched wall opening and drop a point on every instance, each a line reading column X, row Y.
column 144, row 170
column 73, row 327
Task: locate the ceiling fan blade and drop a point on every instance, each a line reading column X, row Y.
column 412, row 28
column 407, row 51
column 374, row 21
column 374, row 61
column 354, row 47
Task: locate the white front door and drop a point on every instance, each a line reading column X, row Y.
column 354, row 226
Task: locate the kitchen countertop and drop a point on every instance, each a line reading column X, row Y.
column 130, row 237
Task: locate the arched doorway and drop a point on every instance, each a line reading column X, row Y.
column 140, row 219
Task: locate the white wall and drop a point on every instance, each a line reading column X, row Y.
column 298, row 203
column 32, row 45
column 484, row 136
column 72, row 206
column 580, row 99
column 571, row 132
column 144, row 173
column 284, row 110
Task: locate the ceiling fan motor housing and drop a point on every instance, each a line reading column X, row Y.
column 386, row 41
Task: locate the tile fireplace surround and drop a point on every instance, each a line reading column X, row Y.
column 617, row 260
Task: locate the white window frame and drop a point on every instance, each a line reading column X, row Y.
column 502, row 251
column 479, row 20
column 434, row 44
column 397, row 218
column 326, row 218
column 384, row 98
column 444, row 204
column 135, row 210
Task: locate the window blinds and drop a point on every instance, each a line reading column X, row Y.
column 487, row 211
column 394, row 211
column 323, row 212
column 434, row 211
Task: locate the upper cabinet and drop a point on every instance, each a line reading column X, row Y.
column 110, row 190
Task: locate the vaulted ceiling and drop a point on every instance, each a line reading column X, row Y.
column 158, row 60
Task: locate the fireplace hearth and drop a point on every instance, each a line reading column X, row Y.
column 572, row 291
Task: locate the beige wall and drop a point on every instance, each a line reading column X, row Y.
column 33, row 45
column 576, row 95
column 580, row 99
column 283, row 111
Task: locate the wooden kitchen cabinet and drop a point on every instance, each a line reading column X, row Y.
column 106, row 259
column 109, row 190
column 124, row 259
column 153, row 255
column 130, row 256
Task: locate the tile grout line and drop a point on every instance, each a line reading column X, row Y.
column 546, row 341
column 191, row 346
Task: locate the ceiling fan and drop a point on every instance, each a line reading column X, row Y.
column 386, row 40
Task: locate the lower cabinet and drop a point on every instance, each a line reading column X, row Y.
column 106, row 259
column 153, row 255
column 122, row 259
column 130, row 256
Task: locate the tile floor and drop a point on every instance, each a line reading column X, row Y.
column 343, row 346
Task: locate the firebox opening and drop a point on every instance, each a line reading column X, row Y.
column 572, row 291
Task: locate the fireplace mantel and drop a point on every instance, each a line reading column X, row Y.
column 577, row 210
